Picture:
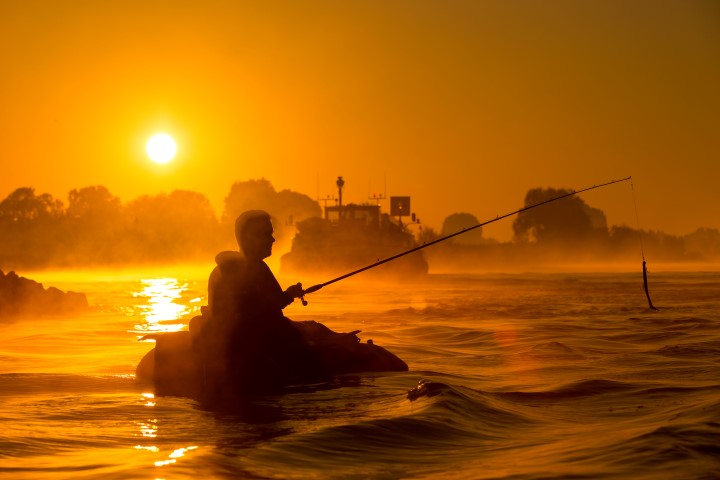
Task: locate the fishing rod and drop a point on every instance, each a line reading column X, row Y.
column 317, row 287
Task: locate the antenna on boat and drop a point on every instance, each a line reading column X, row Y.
column 377, row 196
column 317, row 287
column 327, row 198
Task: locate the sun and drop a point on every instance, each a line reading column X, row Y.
column 161, row 148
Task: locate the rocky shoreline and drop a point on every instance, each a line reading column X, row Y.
column 20, row 296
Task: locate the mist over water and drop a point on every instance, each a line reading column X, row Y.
column 525, row 375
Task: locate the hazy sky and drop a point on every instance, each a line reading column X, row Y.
column 462, row 105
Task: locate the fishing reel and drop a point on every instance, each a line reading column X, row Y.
column 312, row 289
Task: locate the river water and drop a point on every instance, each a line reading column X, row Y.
column 533, row 376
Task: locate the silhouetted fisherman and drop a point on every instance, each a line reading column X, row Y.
column 252, row 345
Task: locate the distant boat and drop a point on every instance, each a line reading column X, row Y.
column 353, row 236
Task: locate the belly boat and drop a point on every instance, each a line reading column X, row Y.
column 178, row 367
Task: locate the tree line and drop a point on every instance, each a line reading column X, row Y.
column 566, row 231
column 95, row 228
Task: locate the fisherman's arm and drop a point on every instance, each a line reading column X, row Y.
column 284, row 298
column 274, row 292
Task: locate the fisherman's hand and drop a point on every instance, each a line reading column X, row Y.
column 294, row 291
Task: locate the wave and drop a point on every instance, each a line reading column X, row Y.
column 689, row 351
column 572, row 391
column 680, row 451
column 444, row 422
column 22, row 384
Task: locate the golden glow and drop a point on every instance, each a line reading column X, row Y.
column 172, row 458
column 481, row 104
column 161, row 312
column 161, row 148
column 148, row 430
column 151, row 448
column 150, row 397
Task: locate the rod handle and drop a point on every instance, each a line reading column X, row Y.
column 312, row 289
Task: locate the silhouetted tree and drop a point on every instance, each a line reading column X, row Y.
column 460, row 221
column 248, row 195
column 565, row 221
column 29, row 227
column 664, row 247
column 179, row 226
column 93, row 221
column 286, row 207
column 427, row 235
column 93, row 205
column 22, row 207
column 625, row 243
column 704, row 242
column 293, row 207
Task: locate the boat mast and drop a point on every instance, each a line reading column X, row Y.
column 340, row 183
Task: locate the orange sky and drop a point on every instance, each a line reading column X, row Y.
column 463, row 105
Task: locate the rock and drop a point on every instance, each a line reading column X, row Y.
column 21, row 296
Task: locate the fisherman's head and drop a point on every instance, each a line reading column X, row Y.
column 254, row 234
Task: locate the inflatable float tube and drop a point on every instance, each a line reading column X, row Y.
column 175, row 367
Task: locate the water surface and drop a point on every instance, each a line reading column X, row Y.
column 536, row 376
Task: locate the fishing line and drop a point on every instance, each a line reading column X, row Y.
column 642, row 248
column 315, row 288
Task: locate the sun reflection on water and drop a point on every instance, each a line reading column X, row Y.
column 149, row 432
column 162, row 311
column 152, row 448
column 150, row 397
column 174, row 456
column 149, row 429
